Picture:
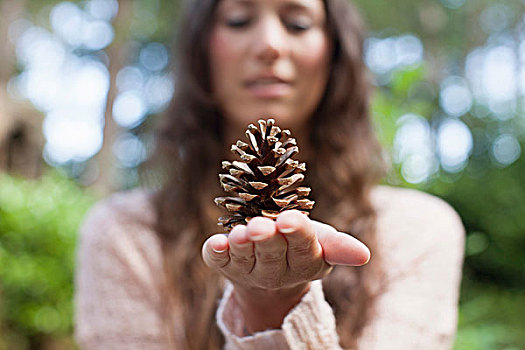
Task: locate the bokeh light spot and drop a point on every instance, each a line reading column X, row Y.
column 454, row 144
column 409, row 50
column 455, row 98
column 491, row 72
column 129, row 109
column 413, row 149
column 67, row 21
column 384, row 55
column 154, row 57
column 506, row 149
column 130, row 78
column 97, row 34
column 37, row 48
column 477, row 242
column 72, row 135
column 158, row 92
column 380, row 54
column 102, row 9
column 129, row 150
column 495, row 18
column 47, row 319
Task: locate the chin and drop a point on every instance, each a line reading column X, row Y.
column 252, row 116
column 282, row 117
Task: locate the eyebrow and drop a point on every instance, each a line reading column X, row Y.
column 241, row 2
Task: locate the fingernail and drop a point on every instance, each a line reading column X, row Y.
column 218, row 251
column 287, row 230
column 257, row 238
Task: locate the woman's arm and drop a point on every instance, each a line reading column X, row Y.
column 309, row 325
column 117, row 298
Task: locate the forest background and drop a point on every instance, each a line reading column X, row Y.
column 83, row 83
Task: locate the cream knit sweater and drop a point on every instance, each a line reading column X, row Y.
column 420, row 241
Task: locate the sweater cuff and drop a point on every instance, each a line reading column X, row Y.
column 309, row 325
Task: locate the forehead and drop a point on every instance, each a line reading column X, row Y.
column 280, row 3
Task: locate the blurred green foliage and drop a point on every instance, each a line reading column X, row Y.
column 490, row 199
column 492, row 207
column 38, row 224
column 493, row 211
column 490, row 318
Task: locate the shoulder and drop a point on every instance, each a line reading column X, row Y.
column 124, row 209
column 131, row 206
column 121, row 225
column 414, row 217
column 399, row 204
column 387, row 198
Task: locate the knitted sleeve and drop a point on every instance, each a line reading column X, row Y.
column 117, row 299
column 310, row 325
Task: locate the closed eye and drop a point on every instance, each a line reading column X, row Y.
column 297, row 26
column 238, row 22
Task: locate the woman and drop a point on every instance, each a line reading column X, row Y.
column 151, row 276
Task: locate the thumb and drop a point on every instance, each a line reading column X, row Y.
column 341, row 248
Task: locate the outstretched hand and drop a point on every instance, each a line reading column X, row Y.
column 273, row 261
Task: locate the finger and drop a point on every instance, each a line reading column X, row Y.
column 303, row 246
column 270, row 247
column 259, row 229
column 341, row 248
column 242, row 256
column 215, row 251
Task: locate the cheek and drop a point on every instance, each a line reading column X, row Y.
column 223, row 51
column 314, row 55
column 218, row 46
column 224, row 63
column 312, row 61
column 219, row 58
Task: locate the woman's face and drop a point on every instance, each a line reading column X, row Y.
column 269, row 58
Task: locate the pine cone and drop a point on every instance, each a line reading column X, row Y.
column 266, row 180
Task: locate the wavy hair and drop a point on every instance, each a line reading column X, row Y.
column 344, row 166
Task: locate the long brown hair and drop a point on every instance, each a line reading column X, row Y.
column 343, row 168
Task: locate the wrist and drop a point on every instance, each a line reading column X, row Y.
column 263, row 309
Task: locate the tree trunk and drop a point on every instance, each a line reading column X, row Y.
column 9, row 11
column 21, row 139
column 117, row 52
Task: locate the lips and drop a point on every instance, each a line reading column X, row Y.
column 265, row 81
column 268, row 87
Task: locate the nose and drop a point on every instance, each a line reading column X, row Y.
column 270, row 41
